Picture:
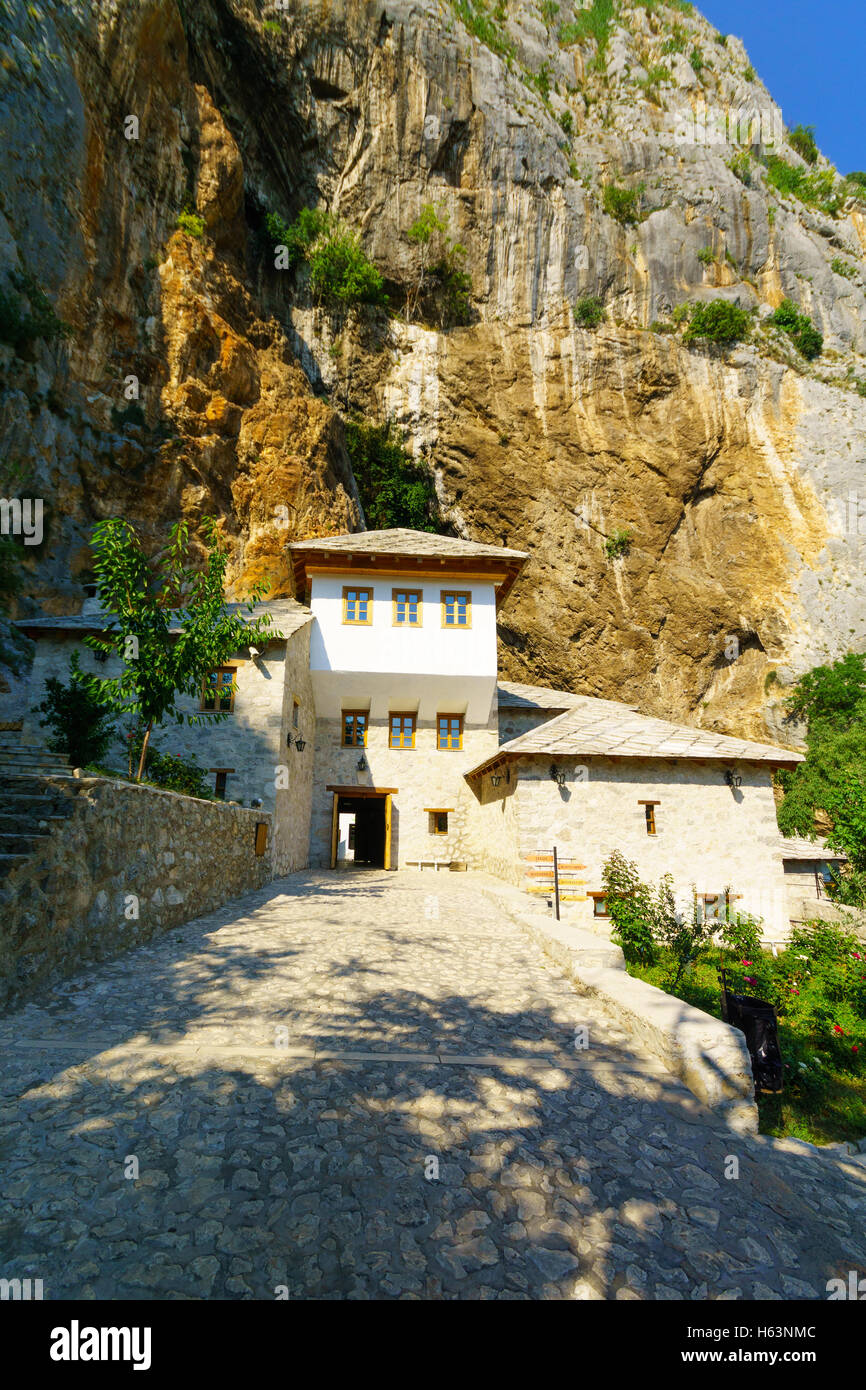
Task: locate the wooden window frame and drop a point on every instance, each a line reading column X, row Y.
column 402, row 714
column 456, row 593
column 650, row 816
column 447, row 747
column 596, row 898
column 206, row 689
column 357, row 589
column 434, row 822
column 354, row 715
column 419, row 594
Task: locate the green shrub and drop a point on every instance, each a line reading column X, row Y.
column 588, row 312
column 622, row 203
column 341, row 273
column 395, row 489
column 741, row 166
column 629, row 906
column 816, row 190
column 749, row 73
column 272, row 26
column 718, row 322
column 191, row 223
column 800, row 328
column 840, row 267
column 683, row 6
column 24, row 321
column 722, row 39
column 566, row 120
column 696, row 59
column 618, row 543
column 706, row 255
column 300, row 235
column 677, row 41
column 175, row 773
column 858, row 177
column 659, row 326
column 80, row 723
column 802, row 139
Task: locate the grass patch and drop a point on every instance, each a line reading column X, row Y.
column 618, row 543
column 840, row 267
column 484, row 24
column 594, row 23
column 192, row 224
column 815, row 190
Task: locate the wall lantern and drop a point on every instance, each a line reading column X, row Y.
column 254, row 652
column 496, row 778
column 557, row 775
column 300, row 743
column 362, row 763
column 733, row 779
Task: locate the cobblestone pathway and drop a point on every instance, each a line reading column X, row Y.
column 289, row 1073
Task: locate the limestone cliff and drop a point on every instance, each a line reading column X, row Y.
column 736, row 472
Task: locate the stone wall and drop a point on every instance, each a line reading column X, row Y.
column 423, row 776
column 126, row 864
column 250, row 743
column 707, row 834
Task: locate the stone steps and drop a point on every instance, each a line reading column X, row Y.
column 32, row 805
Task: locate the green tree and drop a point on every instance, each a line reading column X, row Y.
column 832, row 701
column 78, row 718
column 440, row 275
column 168, row 623
column 394, row 488
column 800, row 327
column 802, row 139
column 718, row 322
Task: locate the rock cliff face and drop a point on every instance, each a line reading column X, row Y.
column 738, row 472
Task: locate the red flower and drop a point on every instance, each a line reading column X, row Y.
column 749, row 979
column 837, row 1029
column 745, row 962
column 855, row 1048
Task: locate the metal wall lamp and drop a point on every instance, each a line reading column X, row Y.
column 300, row 743
column 496, row 778
column 362, row 763
column 557, row 775
column 733, row 779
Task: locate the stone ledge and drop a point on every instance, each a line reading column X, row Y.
column 709, row 1057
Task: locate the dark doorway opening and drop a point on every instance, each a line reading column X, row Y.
column 369, row 813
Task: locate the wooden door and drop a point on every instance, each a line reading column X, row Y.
column 387, row 831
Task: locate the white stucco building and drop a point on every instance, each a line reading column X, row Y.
column 376, row 729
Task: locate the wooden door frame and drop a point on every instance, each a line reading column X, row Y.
column 377, row 793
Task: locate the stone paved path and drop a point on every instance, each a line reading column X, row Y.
column 289, row 1073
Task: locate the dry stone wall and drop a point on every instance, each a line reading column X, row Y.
column 125, row 865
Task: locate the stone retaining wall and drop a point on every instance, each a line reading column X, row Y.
column 709, row 1056
column 128, row 863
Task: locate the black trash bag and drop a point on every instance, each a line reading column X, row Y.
column 757, row 1020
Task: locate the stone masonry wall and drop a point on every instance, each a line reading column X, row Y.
column 251, row 742
column 424, row 776
column 127, row 864
column 707, row 834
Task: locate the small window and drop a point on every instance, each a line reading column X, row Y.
column 296, row 712
column 221, row 776
column 714, row 907
column 449, row 731
column 406, row 607
column 438, row 822
column 402, row 731
column 650, row 815
column 354, row 728
column 456, row 608
column 599, row 904
column 218, row 690
column 358, row 606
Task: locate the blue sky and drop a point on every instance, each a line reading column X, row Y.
column 810, row 54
